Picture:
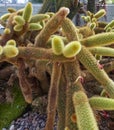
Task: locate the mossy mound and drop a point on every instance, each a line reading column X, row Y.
column 10, row 111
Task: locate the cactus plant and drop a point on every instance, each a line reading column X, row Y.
column 57, row 70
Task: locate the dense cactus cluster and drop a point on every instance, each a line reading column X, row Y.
column 50, row 54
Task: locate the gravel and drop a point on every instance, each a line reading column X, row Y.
column 30, row 121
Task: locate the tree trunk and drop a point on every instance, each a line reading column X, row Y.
column 91, row 6
column 53, row 6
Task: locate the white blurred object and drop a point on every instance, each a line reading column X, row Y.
column 1, row 27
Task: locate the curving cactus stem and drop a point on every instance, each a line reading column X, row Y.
column 57, row 45
column 72, row 49
column 27, row 13
column 10, row 51
column 101, row 103
column 84, row 113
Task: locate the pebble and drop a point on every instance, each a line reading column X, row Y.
column 11, row 127
column 4, row 129
column 29, row 121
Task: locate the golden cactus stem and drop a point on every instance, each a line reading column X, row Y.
column 72, row 49
column 57, row 45
column 61, row 103
column 101, row 103
column 53, row 95
column 5, row 37
column 100, row 13
column 39, row 54
column 34, row 26
column 101, row 39
column 42, row 54
column 89, row 61
column 1, row 50
column 10, row 51
column 11, row 10
column 3, row 23
column 103, row 51
column 20, row 29
column 66, row 128
column 5, row 16
column 86, row 31
column 39, row 17
column 67, row 27
column 27, row 13
column 110, row 24
column 84, row 113
column 23, row 82
column 52, row 25
column 72, row 72
column 7, row 31
column 19, row 20
column 49, row 42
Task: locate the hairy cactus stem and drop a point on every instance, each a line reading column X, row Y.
column 89, row 61
column 2, row 23
column 100, row 13
column 39, row 17
column 27, row 12
column 72, row 72
column 53, row 95
column 11, row 10
column 110, row 24
column 68, row 26
column 84, row 113
column 103, row 51
column 101, row 103
column 57, row 45
column 61, row 103
column 86, row 31
column 25, row 28
column 5, row 37
column 101, row 39
column 42, row 54
column 52, row 25
column 23, row 82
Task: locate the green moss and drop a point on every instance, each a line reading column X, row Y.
column 10, row 111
